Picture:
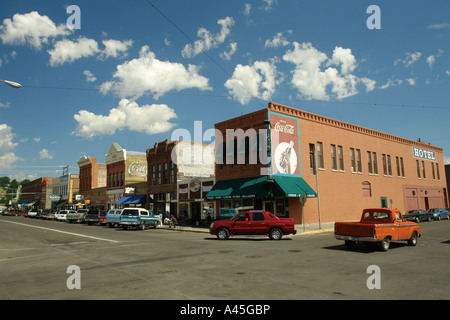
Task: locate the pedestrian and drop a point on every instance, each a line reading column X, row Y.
column 174, row 221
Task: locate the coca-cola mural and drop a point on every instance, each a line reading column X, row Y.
column 285, row 142
column 136, row 168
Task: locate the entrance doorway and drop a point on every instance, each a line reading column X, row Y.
column 427, row 205
column 195, row 212
column 269, row 206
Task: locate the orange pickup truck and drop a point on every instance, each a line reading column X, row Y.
column 380, row 226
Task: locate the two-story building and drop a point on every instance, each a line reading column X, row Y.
column 316, row 169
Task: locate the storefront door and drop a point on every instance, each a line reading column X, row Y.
column 195, row 212
column 269, row 206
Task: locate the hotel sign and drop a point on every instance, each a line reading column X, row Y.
column 424, row 154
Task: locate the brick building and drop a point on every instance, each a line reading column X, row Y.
column 92, row 176
column 317, row 169
column 123, row 168
column 35, row 193
column 177, row 183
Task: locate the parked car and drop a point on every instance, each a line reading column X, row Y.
column 13, row 212
column 139, row 218
column 32, row 213
column 62, row 214
column 112, row 218
column 418, row 215
column 93, row 216
column 253, row 222
column 47, row 214
column 439, row 213
column 78, row 216
column 102, row 217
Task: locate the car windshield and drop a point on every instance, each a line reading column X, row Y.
column 433, row 210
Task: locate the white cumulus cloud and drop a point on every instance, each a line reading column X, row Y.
column 44, row 154
column 151, row 119
column 150, row 75
column 7, row 145
column 253, row 81
column 315, row 74
column 69, row 51
column 115, row 48
column 30, row 28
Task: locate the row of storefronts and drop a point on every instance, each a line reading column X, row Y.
column 293, row 163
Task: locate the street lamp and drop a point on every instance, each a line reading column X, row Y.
column 12, row 84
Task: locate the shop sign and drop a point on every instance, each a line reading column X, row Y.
column 424, row 154
column 136, row 168
column 54, row 197
column 285, row 144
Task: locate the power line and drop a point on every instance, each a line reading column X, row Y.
column 204, row 52
column 373, row 104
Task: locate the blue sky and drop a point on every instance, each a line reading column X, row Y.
column 134, row 73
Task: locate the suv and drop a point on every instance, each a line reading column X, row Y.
column 78, row 216
column 139, row 218
column 113, row 217
column 62, row 214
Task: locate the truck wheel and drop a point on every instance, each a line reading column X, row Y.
column 384, row 245
column 350, row 244
column 223, row 234
column 275, row 233
column 413, row 241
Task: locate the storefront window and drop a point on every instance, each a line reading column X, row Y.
column 280, row 207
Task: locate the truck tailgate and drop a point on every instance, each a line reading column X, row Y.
column 129, row 219
column 354, row 229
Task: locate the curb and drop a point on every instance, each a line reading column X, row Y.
column 207, row 231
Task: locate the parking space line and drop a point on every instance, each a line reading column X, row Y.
column 60, row 231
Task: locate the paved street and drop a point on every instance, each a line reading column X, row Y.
column 168, row 264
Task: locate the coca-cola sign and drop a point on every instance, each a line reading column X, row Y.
column 136, row 169
column 282, row 126
column 285, row 144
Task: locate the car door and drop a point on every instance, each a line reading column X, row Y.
column 402, row 229
column 242, row 224
column 259, row 224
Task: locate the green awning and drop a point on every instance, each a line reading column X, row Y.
column 260, row 187
column 293, row 187
column 60, row 203
column 240, row 188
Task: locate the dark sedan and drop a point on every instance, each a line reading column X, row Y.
column 418, row 215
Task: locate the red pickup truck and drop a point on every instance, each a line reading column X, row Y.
column 254, row 222
column 380, row 226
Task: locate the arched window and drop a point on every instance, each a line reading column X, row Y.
column 366, row 189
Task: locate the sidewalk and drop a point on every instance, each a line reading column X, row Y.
column 312, row 228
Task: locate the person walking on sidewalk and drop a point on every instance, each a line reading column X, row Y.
column 173, row 221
